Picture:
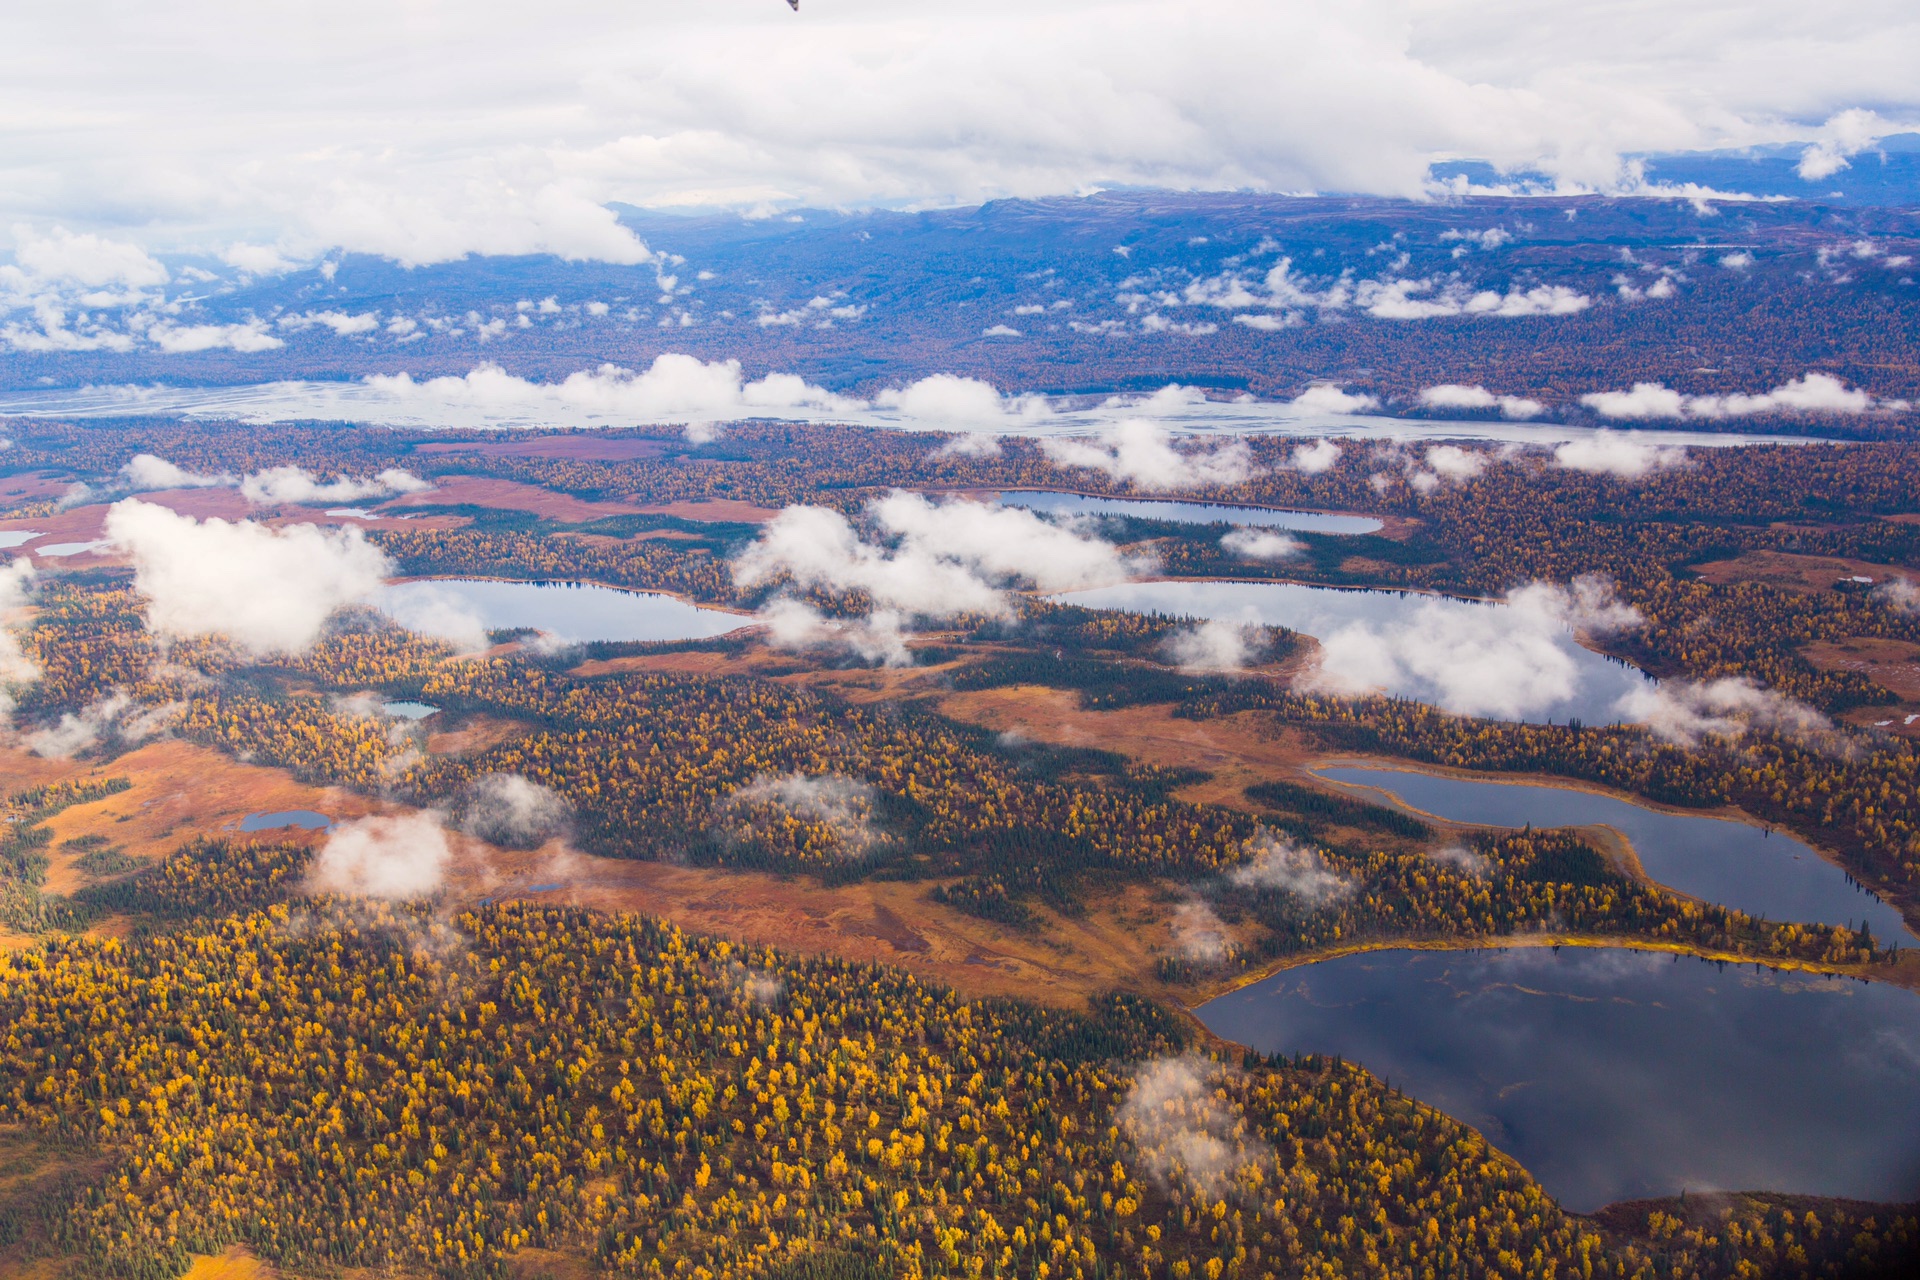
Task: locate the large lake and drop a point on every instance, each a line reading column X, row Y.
column 571, row 612
column 1051, row 502
column 1715, row 859
column 1443, row 644
column 1614, row 1074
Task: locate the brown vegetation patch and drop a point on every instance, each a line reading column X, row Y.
column 237, row 1263
column 1894, row 665
column 33, row 486
column 475, row 734
column 179, row 791
column 1062, row 961
column 510, row 495
column 713, row 511
column 586, row 447
column 1791, row 572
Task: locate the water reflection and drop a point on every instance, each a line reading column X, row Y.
column 1614, row 1074
column 281, row 819
column 1050, row 502
column 571, row 612
column 1716, row 859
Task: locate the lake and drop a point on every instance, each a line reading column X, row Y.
column 281, row 819
column 1447, row 651
column 1719, row 860
column 1614, row 1074
column 1050, row 502
column 571, row 612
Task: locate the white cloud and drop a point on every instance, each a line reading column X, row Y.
column 1199, row 934
column 493, row 128
column 89, row 260
column 428, row 609
column 842, row 806
column 1000, row 331
column 1142, row 453
column 1260, row 544
column 1901, row 595
column 270, row 591
column 342, row 324
column 114, row 717
column 944, row 400
column 281, row 485
column 798, row 627
column 145, row 471
column 401, row 857
column 175, row 339
column 257, row 259
column 1845, row 135
column 507, row 809
column 1739, row 260
column 1215, row 645
column 1182, row 1131
column 1683, row 711
column 1609, row 453
column 1427, row 300
column 1461, row 858
column 674, row 388
column 1315, row 459
column 1476, row 661
column 1325, row 397
column 1451, row 462
column 1810, row 393
column 17, row 585
column 1454, row 396
column 947, row 558
column 1274, row 862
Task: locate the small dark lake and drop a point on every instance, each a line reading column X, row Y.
column 280, row 819
column 1614, row 1074
column 1715, row 859
column 1049, row 502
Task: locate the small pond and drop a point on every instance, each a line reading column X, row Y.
column 571, row 612
column 72, row 548
column 1049, row 502
column 281, row 819
column 1614, row 1074
column 1468, row 656
column 408, row 710
column 10, row 538
column 1715, row 859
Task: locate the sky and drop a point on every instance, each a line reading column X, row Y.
column 270, row 131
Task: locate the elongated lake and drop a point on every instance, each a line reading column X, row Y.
column 571, row 612
column 1718, row 860
column 1050, row 502
column 1474, row 657
column 1614, row 1074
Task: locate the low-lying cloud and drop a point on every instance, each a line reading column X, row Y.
column 1182, row 1129
column 841, row 806
column 797, row 627
column 1814, row 393
column 270, row 591
column 1504, row 662
column 1626, row 456
column 1455, row 396
column 112, row 719
column 1261, row 544
column 515, row 812
column 1685, row 711
column 1216, row 645
column 398, row 857
column 935, row 559
column 297, row 485
column 1142, row 453
column 1274, row 862
column 17, row 584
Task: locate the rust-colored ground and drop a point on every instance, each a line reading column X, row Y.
column 1792, row 572
column 179, row 791
column 1894, row 665
column 32, row 486
column 510, row 495
column 589, row 448
column 717, row 511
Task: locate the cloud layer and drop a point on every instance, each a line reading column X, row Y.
column 539, row 118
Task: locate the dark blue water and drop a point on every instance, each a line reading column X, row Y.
column 1614, row 1074
column 305, row 819
column 1050, row 502
column 1715, row 859
column 571, row 612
